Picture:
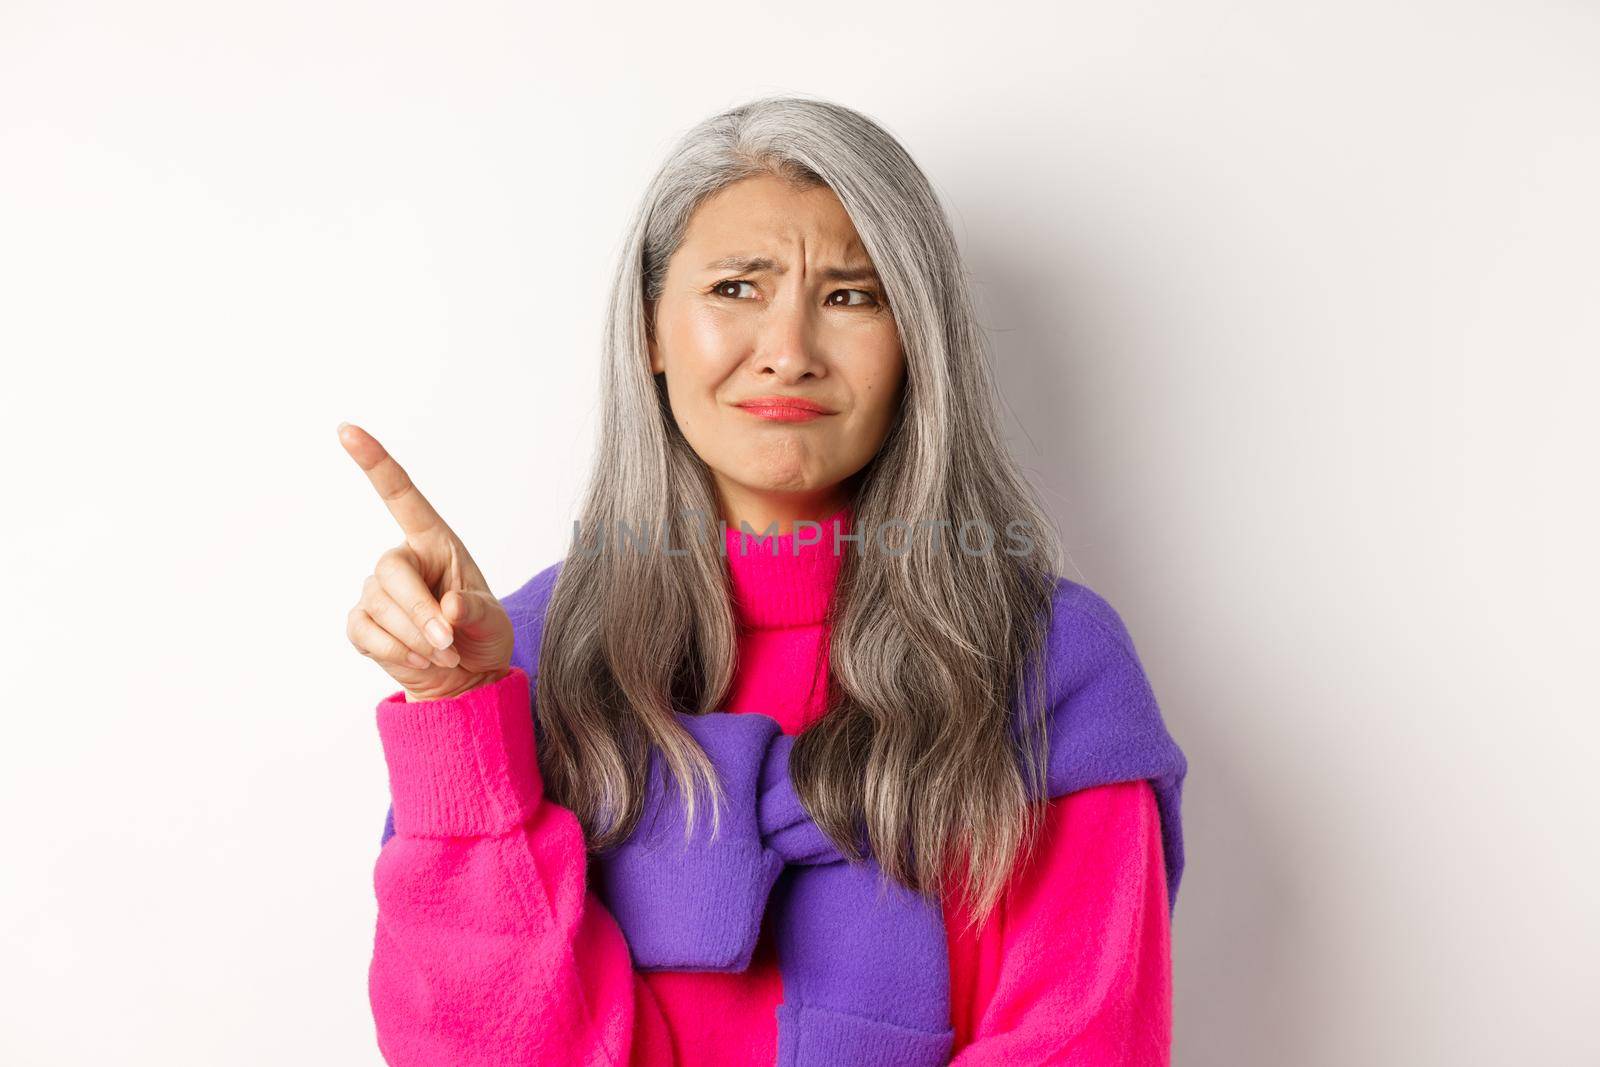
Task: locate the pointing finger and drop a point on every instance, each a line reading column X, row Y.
column 403, row 499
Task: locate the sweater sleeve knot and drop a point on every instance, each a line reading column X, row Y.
column 864, row 961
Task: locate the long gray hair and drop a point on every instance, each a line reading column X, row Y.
column 932, row 742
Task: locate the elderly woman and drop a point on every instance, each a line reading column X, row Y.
column 809, row 591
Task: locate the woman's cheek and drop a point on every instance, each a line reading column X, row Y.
column 714, row 336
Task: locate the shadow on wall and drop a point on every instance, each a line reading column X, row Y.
column 1064, row 371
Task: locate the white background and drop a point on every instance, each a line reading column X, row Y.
column 1295, row 308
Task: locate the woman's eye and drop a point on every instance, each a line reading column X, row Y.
column 721, row 287
column 870, row 299
column 730, row 289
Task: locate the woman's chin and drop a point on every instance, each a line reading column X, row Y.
column 780, row 481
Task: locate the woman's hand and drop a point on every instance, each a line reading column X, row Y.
column 425, row 614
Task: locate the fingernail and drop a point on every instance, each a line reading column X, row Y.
column 417, row 661
column 438, row 633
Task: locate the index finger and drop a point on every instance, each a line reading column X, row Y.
column 403, row 499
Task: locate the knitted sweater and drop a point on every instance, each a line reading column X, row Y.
column 495, row 943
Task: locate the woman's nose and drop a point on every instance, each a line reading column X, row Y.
column 788, row 345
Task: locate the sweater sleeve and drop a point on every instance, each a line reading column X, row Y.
column 1084, row 974
column 490, row 948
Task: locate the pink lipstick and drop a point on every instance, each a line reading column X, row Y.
column 784, row 408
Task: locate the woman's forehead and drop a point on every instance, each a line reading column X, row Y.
column 768, row 217
column 768, row 232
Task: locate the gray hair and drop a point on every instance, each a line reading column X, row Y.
column 932, row 742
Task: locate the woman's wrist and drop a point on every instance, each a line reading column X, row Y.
column 478, row 681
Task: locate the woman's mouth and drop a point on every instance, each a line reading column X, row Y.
column 784, row 408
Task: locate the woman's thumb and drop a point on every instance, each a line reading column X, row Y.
column 468, row 610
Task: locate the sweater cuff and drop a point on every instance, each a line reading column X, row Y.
column 811, row 1034
column 696, row 903
column 463, row 766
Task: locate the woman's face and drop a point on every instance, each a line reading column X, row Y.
column 771, row 296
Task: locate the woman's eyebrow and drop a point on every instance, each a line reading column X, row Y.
column 747, row 264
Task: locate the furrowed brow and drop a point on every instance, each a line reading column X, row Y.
column 746, row 264
column 741, row 264
column 862, row 273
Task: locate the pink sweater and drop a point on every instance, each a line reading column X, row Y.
column 491, row 949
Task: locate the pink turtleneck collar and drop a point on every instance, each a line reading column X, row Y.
column 776, row 584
